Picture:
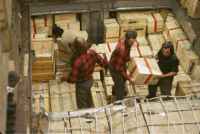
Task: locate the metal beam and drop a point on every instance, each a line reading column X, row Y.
column 96, row 5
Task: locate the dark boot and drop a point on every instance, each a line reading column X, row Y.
column 152, row 91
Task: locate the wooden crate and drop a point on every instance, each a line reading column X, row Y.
column 70, row 26
column 144, row 70
column 141, row 41
column 43, row 47
column 62, row 96
column 188, row 59
column 131, row 17
column 111, row 29
column 112, row 39
column 140, row 28
column 195, row 72
column 181, row 77
column 98, row 94
column 188, row 88
column 41, row 66
column 41, row 24
column 65, row 18
column 155, row 23
column 182, row 46
column 43, row 76
column 156, row 41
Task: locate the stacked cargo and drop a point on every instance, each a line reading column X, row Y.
column 43, row 66
column 174, row 116
column 98, row 94
column 111, row 30
column 192, row 7
column 40, row 97
column 156, row 41
column 155, row 23
column 132, row 21
column 188, row 88
column 173, row 32
column 62, row 96
column 41, row 27
column 67, row 22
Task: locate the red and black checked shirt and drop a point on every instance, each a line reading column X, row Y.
column 119, row 58
column 84, row 65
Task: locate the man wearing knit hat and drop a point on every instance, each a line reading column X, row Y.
column 82, row 68
column 168, row 64
column 117, row 66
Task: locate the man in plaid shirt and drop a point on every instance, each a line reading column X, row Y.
column 82, row 69
column 119, row 58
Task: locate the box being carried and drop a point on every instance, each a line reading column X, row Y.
column 144, row 70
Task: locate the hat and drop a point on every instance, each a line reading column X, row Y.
column 131, row 34
column 167, row 44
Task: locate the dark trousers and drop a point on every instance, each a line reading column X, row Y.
column 119, row 83
column 83, row 94
column 165, row 85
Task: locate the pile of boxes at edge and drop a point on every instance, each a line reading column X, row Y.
column 152, row 31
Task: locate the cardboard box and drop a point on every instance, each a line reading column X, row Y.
column 111, row 29
column 156, row 41
column 188, row 59
column 41, row 24
column 141, row 51
column 140, row 28
column 43, row 47
column 176, row 36
column 155, row 23
column 188, row 88
column 144, row 70
column 62, row 96
column 141, row 41
column 65, row 18
column 98, row 94
column 195, row 72
column 131, row 17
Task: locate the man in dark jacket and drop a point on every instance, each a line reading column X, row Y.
column 168, row 64
column 82, row 68
column 119, row 58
